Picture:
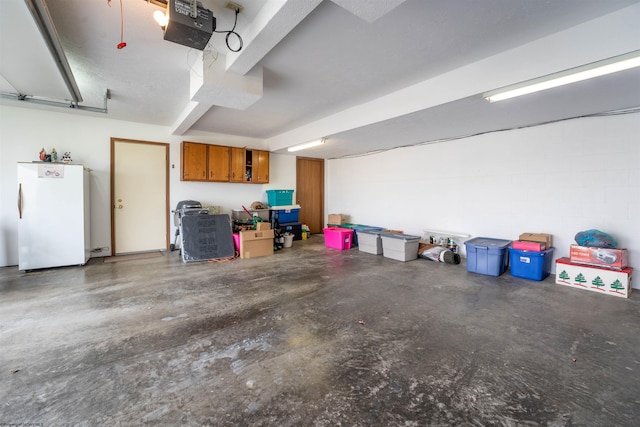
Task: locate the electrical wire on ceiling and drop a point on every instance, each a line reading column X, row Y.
column 232, row 31
column 122, row 43
column 209, row 56
column 633, row 110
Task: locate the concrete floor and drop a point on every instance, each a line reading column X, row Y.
column 311, row 336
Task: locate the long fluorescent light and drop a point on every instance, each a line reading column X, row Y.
column 584, row 72
column 307, row 145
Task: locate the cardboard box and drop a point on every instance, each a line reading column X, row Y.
column 263, row 226
column 602, row 280
column 254, row 243
column 523, row 245
column 616, row 259
column 547, row 239
column 337, row 219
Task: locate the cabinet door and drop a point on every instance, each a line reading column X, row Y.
column 260, row 166
column 237, row 165
column 218, row 163
column 194, row 162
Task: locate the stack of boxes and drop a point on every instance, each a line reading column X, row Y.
column 283, row 213
column 258, row 242
column 531, row 256
column 252, row 234
column 600, row 270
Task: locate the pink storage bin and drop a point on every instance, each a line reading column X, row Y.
column 236, row 241
column 338, row 238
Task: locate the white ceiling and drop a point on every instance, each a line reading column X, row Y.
column 368, row 75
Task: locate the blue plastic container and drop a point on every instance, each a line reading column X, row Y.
column 530, row 265
column 285, row 213
column 487, row 256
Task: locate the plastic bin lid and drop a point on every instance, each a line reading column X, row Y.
column 488, row 242
column 284, row 207
column 370, row 230
column 399, row 236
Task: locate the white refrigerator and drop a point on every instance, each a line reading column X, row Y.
column 53, row 212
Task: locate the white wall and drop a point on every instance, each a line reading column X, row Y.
column 25, row 131
column 559, row 178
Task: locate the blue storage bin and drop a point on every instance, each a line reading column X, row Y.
column 530, row 265
column 487, row 256
column 285, row 213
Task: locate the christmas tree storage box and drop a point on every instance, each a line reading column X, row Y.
column 398, row 246
column 369, row 241
column 487, row 256
column 596, row 279
column 532, row 265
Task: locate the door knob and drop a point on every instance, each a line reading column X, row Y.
column 120, row 206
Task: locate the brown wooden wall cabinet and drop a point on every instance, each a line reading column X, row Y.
column 237, row 165
column 257, row 166
column 219, row 163
column 193, row 162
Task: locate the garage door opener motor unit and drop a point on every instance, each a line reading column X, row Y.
column 189, row 23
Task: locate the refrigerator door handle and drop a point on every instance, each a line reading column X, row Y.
column 20, row 200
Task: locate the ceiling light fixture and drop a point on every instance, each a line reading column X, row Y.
column 161, row 18
column 584, row 72
column 306, row 145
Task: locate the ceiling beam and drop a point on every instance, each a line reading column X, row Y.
column 274, row 21
column 610, row 35
column 367, row 10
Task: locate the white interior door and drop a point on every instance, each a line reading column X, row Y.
column 139, row 194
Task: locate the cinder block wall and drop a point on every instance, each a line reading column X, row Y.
column 559, row 178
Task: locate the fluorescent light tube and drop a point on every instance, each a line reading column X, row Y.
column 307, row 145
column 588, row 71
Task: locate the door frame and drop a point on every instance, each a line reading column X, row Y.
column 112, row 185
